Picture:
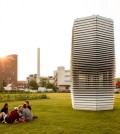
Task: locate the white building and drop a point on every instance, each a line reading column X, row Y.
column 62, row 78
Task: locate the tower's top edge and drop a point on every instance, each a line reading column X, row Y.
column 94, row 17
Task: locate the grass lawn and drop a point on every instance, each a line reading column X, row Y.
column 56, row 116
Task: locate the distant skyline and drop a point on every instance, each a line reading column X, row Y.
column 26, row 25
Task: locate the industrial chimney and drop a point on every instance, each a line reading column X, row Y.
column 38, row 65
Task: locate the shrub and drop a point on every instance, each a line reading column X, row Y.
column 19, row 97
column 43, row 96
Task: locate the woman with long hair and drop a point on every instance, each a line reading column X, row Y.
column 5, row 108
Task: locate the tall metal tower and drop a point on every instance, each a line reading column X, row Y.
column 93, row 63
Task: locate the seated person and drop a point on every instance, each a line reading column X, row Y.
column 27, row 115
column 29, row 107
column 5, row 110
column 13, row 117
column 27, row 104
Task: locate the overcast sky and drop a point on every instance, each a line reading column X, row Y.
column 26, row 25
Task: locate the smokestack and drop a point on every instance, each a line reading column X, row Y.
column 38, row 65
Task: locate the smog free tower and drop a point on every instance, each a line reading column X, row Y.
column 92, row 63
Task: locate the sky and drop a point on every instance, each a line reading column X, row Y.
column 26, row 25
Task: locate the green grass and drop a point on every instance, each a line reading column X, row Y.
column 56, row 116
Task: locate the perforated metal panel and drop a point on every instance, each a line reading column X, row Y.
column 92, row 63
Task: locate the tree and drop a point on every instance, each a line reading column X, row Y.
column 52, row 86
column 33, row 84
column 43, row 82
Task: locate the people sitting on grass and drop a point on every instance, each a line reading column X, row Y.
column 29, row 107
column 27, row 115
column 18, row 114
column 13, row 117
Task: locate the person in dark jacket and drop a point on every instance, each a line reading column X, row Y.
column 5, row 110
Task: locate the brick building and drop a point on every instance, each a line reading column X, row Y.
column 8, row 70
